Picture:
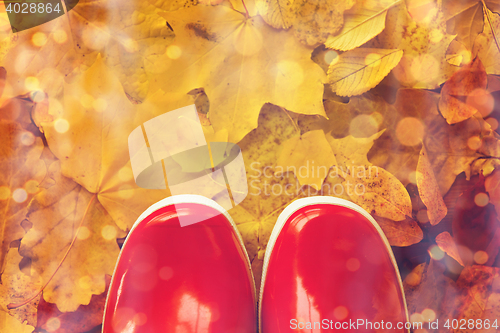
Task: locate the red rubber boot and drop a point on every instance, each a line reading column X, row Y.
column 328, row 267
column 183, row 269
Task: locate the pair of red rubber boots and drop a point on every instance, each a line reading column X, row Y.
column 184, row 269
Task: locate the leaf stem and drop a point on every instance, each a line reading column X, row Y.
column 246, row 10
column 17, row 305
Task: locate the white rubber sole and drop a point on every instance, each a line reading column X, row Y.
column 301, row 203
column 180, row 199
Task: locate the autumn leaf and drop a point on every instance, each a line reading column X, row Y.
column 452, row 150
column 448, row 245
column 83, row 320
column 486, row 44
column 466, row 23
column 427, row 287
column 362, row 116
column 477, row 297
column 96, row 118
column 19, row 285
column 428, row 189
column 470, row 80
column 171, row 5
column 382, row 194
column 363, row 180
column 351, row 151
column 241, row 64
column 310, row 154
column 21, row 173
column 359, row 70
column 365, row 20
column 424, row 44
column 277, row 13
column 401, row 233
column 312, row 20
column 268, row 194
column 129, row 36
column 12, row 324
column 56, row 214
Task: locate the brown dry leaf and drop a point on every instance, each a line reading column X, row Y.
column 98, row 118
column 130, row 34
column 17, row 286
column 427, row 288
column 492, row 185
column 363, row 181
column 469, row 146
column 312, row 20
column 428, row 189
column 21, row 173
column 56, row 214
column 478, row 296
column 448, row 245
column 470, row 80
column 401, row 233
column 241, row 64
column 309, row 153
column 379, row 193
column 424, row 41
column 360, row 70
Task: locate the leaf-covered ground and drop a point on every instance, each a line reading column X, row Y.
column 393, row 105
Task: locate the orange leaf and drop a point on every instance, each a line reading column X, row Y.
column 401, row 233
column 429, row 189
column 470, row 80
column 448, row 245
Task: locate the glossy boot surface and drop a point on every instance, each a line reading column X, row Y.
column 173, row 279
column 327, row 265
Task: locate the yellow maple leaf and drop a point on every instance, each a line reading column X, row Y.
column 308, row 156
column 56, row 214
column 241, row 64
column 89, row 134
column 130, row 34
